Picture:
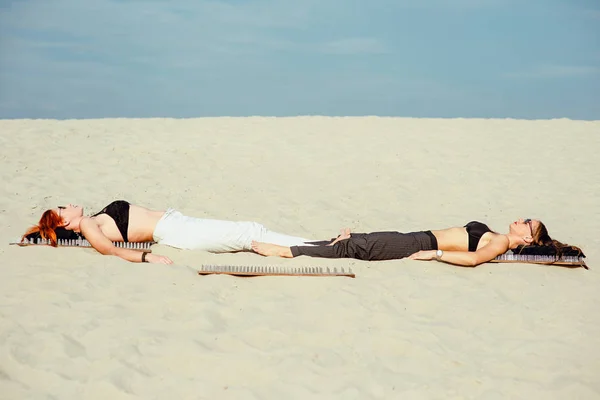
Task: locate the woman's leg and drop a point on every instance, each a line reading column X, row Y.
column 371, row 246
column 352, row 247
column 334, row 248
column 217, row 236
column 261, row 234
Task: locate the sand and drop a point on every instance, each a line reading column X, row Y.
column 78, row 325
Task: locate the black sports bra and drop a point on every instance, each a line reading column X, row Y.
column 119, row 211
column 476, row 230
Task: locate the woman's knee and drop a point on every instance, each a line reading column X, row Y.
column 255, row 228
column 352, row 248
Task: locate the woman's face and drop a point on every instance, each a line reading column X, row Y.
column 524, row 227
column 69, row 212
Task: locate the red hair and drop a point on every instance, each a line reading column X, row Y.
column 46, row 227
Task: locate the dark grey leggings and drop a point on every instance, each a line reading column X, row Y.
column 371, row 246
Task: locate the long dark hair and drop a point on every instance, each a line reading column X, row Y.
column 541, row 237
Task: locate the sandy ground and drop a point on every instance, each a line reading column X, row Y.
column 78, row 325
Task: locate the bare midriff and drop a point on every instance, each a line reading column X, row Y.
column 142, row 222
column 457, row 239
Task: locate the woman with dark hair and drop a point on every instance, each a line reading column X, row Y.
column 121, row 221
column 469, row 245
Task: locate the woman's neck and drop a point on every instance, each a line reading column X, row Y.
column 515, row 241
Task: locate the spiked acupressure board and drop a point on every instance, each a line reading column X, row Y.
column 272, row 270
column 142, row 246
column 510, row 257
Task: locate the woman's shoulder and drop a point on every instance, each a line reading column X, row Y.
column 496, row 237
column 92, row 220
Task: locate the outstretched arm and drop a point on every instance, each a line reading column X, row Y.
column 103, row 245
column 498, row 245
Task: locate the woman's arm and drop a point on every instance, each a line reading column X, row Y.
column 497, row 245
column 90, row 229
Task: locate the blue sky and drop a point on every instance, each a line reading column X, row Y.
column 192, row 58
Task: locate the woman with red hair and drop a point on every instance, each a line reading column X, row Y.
column 121, row 221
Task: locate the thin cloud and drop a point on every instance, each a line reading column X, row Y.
column 448, row 4
column 556, row 71
column 593, row 14
column 354, row 46
column 210, row 57
column 469, row 3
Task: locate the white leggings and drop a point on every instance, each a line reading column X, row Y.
column 177, row 230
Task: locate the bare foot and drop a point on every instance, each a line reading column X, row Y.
column 268, row 249
column 344, row 234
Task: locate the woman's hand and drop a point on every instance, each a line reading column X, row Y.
column 158, row 259
column 424, row 255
